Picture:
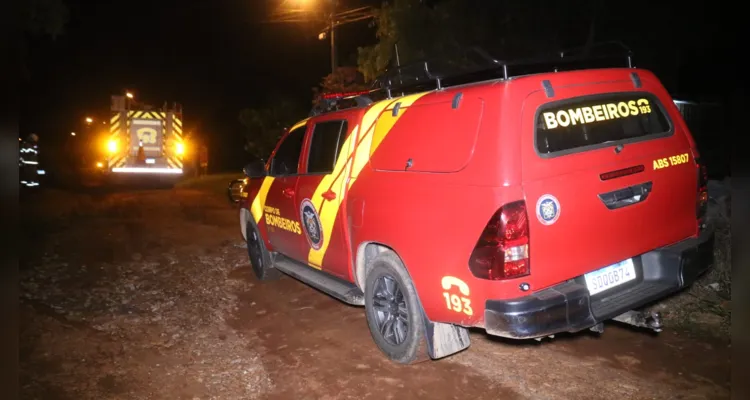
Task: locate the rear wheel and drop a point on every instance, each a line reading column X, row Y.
column 393, row 312
column 260, row 258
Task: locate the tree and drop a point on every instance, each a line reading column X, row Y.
column 264, row 126
column 422, row 31
column 345, row 79
column 448, row 28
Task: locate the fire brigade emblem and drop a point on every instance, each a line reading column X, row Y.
column 548, row 209
column 311, row 222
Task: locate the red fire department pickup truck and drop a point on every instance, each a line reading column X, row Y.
column 526, row 205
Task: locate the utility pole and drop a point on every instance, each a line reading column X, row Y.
column 333, row 44
column 332, row 27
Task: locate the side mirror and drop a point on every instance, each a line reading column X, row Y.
column 234, row 190
column 256, row 169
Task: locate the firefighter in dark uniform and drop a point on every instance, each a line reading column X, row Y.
column 28, row 161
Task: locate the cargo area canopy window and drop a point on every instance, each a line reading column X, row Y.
column 589, row 122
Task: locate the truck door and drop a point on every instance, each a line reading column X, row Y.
column 280, row 212
column 320, row 195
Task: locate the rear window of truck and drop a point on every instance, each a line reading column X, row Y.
column 586, row 123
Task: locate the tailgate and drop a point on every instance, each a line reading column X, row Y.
column 608, row 174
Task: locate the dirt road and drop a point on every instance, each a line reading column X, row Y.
column 149, row 295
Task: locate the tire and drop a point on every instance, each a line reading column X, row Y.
column 260, row 258
column 404, row 342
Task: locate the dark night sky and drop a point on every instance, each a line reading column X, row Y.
column 215, row 58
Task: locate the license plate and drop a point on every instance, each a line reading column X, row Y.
column 611, row 276
column 150, row 161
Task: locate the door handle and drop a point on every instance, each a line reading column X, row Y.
column 288, row 192
column 626, row 196
column 329, row 195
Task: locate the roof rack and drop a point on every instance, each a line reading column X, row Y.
column 427, row 75
column 329, row 102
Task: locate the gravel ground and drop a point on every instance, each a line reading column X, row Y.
column 149, row 295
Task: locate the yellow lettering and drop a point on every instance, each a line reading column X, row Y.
column 633, row 108
column 588, row 115
column 644, row 106
column 671, row 161
column 576, row 115
column 623, row 109
column 598, row 113
column 549, row 118
column 612, row 109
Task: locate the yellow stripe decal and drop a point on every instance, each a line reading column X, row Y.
column 387, row 120
column 147, row 115
column 176, row 161
column 298, row 124
column 356, row 155
column 260, row 200
column 114, row 119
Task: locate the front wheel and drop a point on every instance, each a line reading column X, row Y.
column 393, row 311
column 260, row 258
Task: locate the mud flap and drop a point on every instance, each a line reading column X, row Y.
column 440, row 339
column 444, row 339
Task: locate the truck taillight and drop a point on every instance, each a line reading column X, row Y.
column 502, row 251
column 701, row 206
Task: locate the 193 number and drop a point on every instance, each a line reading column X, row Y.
column 453, row 301
column 457, row 303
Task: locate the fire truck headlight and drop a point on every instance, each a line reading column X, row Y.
column 112, row 146
column 99, row 165
column 180, row 148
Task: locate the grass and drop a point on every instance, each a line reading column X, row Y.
column 706, row 305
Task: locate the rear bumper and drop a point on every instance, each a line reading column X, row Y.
column 568, row 307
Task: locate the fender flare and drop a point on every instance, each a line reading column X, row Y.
column 442, row 339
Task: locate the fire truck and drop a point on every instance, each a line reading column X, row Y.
column 143, row 139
